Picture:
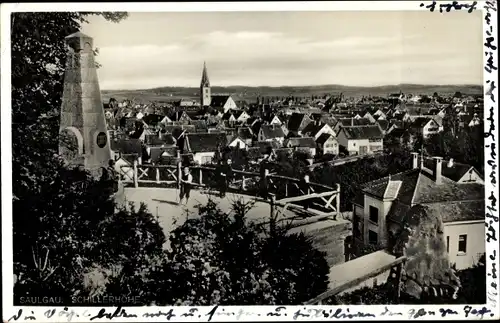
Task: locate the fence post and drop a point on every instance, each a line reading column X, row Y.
column 158, row 175
column 338, row 201
column 136, row 182
column 272, row 222
column 179, row 165
column 286, row 189
column 243, row 183
column 201, row 177
column 264, row 180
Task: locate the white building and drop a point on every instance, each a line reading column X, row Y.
column 380, row 210
column 361, row 140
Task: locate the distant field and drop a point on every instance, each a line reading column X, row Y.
column 251, row 93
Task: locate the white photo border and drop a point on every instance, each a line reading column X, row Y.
column 490, row 310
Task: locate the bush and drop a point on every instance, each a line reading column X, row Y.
column 220, row 258
column 352, row 175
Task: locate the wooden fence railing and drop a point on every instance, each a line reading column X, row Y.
column 287, row 191
column 394, row 267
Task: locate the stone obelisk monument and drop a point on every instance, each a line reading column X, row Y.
column 83, row 132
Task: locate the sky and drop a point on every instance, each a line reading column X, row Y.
column 150, row 50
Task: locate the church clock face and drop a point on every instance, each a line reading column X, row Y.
column 102, row 140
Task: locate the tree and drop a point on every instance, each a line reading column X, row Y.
column 63, row 219
column 221, row 258
column 352, row 175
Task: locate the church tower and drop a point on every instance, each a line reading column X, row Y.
column 205, row 95
column 83, row 135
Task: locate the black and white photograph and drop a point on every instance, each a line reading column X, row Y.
column 190, row 156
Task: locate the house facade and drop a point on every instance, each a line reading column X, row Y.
column 204, row 146
column 276, row 121
column 381, row 208
column 305, row 144
column 316, row 129
column 361, row 140
column 237, row 142
column 327, row 144
column 464, row 242
column 426, row 126
column 223, row 103
column 271, row 133
column 297, row 122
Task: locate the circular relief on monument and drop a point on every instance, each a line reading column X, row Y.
column 102, row 140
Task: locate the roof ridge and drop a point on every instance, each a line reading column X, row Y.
column 455, row 201
column 397, row 174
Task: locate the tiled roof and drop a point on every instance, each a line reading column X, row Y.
column 420, row 122
column 176, row 130
column 179, row 115
column 409, row 181
column 218, row 101
column 455, row 173
column 254, row 153
column 306, row 142
column 295, row 121
column 250, row 120
column 459, row 211
column 256, row 127
column 199, row 124
column 283, row 152
column 127, row 146
column 313, row 128
column 397, row 133
column 323, row 138
column 428, row 192
column 155, row 153
column 153, row 140
column 237, row 113
column 227, row 115
column 272, row 131
column 316, row 116
column 418, row 187
column 329, row 120
column 346, row 122
column 206, row 142
column 263, row 145
column 362, row 132
column 384, row 124
column 245, row 133
column 152, row 119
column 449, row 211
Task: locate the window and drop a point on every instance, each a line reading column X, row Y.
column 372, row 237
column 358, row 228
column 373, row 214
column 448, row 244
column 462, row 243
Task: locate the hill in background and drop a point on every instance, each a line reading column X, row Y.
column 163, row 94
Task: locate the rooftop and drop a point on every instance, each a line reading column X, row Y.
column 363, row 132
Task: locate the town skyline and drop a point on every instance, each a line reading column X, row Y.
column 301, row 49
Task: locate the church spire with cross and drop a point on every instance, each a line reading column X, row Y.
column 205, row 95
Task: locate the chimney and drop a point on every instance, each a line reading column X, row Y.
column 436, row 169
column 415, row 160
